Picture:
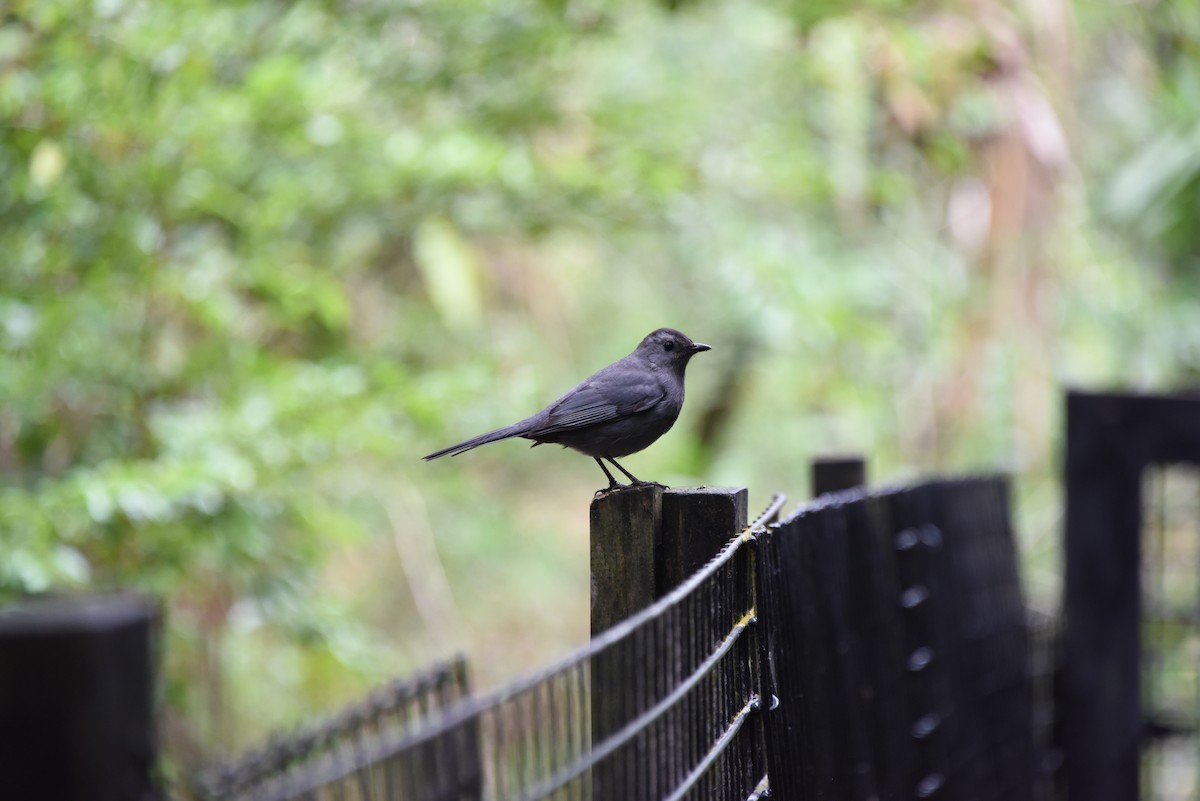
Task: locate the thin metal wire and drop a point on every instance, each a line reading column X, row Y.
column 761, row 790
column 768, row 515
column 394, row 707
column 643, row 721
column 716, row 750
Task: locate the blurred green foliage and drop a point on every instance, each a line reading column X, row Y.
column 259, row 256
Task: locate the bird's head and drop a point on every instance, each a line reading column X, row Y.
column 667, row 347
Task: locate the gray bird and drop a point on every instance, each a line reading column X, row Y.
column 618, row 411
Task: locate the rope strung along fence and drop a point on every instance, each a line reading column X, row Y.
column 670, row 721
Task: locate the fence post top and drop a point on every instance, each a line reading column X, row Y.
column 705, row 491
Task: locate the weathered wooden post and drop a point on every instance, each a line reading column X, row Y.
column 76, row 698
column 696, row 524
column 837, row 473
column 626, row 527
column 645, row 541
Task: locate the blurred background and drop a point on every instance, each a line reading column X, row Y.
column 258, row 257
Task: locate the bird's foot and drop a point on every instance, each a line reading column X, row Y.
column 615, row 487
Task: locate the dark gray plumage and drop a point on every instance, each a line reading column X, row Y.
column 618, row 411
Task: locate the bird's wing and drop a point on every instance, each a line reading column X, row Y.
column 599, row 400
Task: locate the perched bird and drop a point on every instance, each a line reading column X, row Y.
column 618, row 411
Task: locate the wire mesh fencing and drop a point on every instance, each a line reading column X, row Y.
column 338, row 759
column 1170, row 633
column 1045, row 659
column 664, row 705
column 872, row 645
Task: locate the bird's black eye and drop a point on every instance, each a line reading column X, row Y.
column 668, row 346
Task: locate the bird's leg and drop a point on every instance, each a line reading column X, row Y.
column 634, row 479
column 612, row 482
column 637, row 482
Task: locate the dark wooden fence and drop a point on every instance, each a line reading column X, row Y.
column 900, row 652
column 1126, row 640
column 362, row 753
column 76, row 699
column 665, row 704
column 868, row 645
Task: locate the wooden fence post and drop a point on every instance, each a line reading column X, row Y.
column 626, row 526
column 696, row 524
column 76, row 690
column 644, row 543
column 837, row 473
column 625, row 533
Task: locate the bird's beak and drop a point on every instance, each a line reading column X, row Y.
column 698, row 347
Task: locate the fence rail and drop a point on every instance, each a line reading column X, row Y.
column 660, row 706
column 1115, row 642
column 341, row 755
column 869, row 645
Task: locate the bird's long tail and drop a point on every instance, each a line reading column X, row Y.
column 515, row 430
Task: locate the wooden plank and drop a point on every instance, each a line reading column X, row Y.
column 696, row 524
column 626, row 525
